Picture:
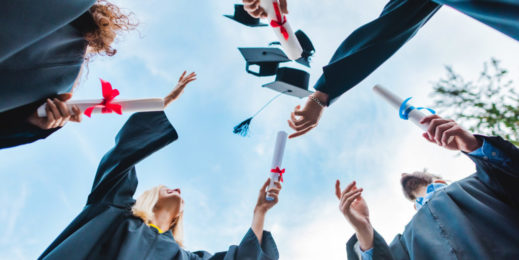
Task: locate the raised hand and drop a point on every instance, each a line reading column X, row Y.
column 254, row 9
column 58, row 113
column 355, row 210
column 306, row 119
column 179, row 88
column 263, row 205
column 448, row 134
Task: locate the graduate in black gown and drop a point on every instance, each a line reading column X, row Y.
column 113, row 225
column 474, row 218
column 370, row 45
column 43, row 46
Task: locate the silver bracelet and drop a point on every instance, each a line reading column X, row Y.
column 316, row 100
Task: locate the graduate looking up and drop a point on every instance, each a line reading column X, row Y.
column 44, row 45
column 474, row 218
column 113, row 225
column 370, row 45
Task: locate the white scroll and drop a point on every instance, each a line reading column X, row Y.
column 127, row 105
column 415, row 115
column 277, row 159
column 290, row 44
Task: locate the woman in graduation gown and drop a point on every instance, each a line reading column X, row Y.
column 43, row 46
column 113, row 225
column 365, row 49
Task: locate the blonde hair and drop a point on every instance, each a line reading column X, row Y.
column 143, row 209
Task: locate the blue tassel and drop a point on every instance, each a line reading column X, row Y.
column 243, row 128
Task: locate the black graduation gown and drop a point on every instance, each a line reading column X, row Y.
column 106, row 228
column 474, row 218
column 41, row 53
column 372, row 44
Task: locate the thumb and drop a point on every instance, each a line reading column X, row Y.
column 263, row 191
column 65, row 96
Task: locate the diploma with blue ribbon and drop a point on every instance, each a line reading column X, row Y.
column 405, row 110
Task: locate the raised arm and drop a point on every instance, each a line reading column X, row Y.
column 142, row 135
column 496, row 159
column 22, row 125
column 366, row 244
column 360, row 54
column 23, row 22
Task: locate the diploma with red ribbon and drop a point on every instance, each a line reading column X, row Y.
column 276, row 173
column 111, row 105
column 284, row 32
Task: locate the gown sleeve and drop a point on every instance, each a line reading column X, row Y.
column 143, row 134
column 15, row 130
column 372, row 44
column 249, row 248
column 497, row 163
column 23, row 22
column 381, row 250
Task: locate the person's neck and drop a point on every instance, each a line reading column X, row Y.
column 162, row 219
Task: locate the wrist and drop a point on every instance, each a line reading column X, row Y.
column 473, row 145
column 365, row 236
column 258, row 211
column 321, row 97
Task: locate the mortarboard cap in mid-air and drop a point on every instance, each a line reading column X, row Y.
column 291, row 82
column 308, row 48
column 267, row 59
column 241, row 16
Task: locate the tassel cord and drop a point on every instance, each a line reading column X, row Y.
column 270, row 101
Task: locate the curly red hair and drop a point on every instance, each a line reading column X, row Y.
column 111, row 21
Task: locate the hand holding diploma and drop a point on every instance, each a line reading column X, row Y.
column 107, row 105
column 58, row 113
column 263, row 205
column 445, row 133
column 255, row 10
column 441, row 130
column 276, row 172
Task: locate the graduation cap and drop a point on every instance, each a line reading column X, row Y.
column 289, row 81
column 241, row 16
column 267, row 59
column 292, row 82
column 308, row 48
column 306, row 45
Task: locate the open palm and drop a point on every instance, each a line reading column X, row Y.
column 352, row 205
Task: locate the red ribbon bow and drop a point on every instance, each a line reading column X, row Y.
column 108, row 96
column 280, row 171
column 281, row 21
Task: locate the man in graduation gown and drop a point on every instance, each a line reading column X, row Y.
column 474, row 218
column 106, row 227
column 369, row 46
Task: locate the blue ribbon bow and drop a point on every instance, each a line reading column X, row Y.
column 405, row 109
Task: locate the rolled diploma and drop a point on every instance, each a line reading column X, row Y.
column 279, row 150
column 128, row 105
column 291, row 46
column 415, row 115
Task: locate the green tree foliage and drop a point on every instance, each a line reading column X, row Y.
column 488, row 106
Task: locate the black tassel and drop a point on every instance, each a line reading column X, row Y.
column 243, row 128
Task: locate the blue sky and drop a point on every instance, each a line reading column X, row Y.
column 46, row 184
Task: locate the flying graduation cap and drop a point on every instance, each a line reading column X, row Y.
column 267, row 59
column 289, row 81
column 241, row 16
